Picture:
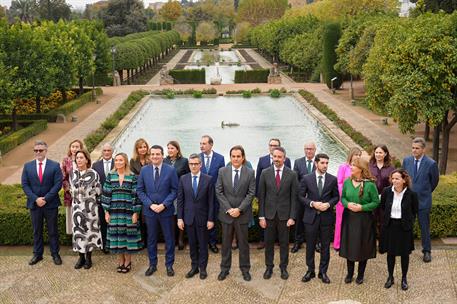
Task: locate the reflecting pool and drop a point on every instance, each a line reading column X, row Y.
column 260, row 118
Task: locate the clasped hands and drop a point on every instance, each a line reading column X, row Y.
column 321, row 206
column 354, row 207
column 134, row 217
column 40, row 201
column 209, row 224
column 263, row 223
column 157, row 208
column 234, row 212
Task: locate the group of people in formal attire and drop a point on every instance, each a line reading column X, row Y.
column 121, row 205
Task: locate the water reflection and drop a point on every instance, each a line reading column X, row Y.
column 260, row 118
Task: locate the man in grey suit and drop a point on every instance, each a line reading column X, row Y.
column 303, row 166
column 235, row 189
column 424, row 176
column 277, row 195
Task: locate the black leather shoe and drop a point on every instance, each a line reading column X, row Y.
column 191, row 273
column 389, row 282
column 295, row 248
column 268, row 273
column 150, row 271
column 325, row 279
column 170, row 271
column 348, row 279
column 81, row 261
column 105, row 251
column 318, row 247
column 359, row 280
column 88, row 263
column 213, row 248
column 427, row 257
column 246, row 276
column 284, row 274
column 404, row 284
column 57, row 259
column 261, row 245
column 203, row 274
column 35, row 259
column 308, row 276
column 222, row 275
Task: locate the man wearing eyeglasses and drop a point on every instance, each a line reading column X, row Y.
column 41, row 181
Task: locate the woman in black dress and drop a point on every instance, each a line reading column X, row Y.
column 400, row 206
column 181, row 165
column 140, row 156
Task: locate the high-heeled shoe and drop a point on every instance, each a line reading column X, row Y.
column 127, row 268
column 389, row 282
column 119, row 268
column 404, row 284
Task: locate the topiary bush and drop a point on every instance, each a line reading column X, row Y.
column 252, row 76
column 188, row 76
column 197, row 94
column 275, row 93
column 331, row 35
column 16, row 138
column 247, row 94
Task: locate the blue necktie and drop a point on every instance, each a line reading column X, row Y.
column 156, row 177
column 195, row 185
column 415, row 167
column 236, row 180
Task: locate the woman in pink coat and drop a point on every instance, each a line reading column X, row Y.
column 344, row 171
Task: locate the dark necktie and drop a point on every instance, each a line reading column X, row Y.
column 310, row 166
column 195, row 185
column 207, row 164
column 156, row 177
column 40, row 172
column 416, row 162
column 278, row 179
column 320, row 186
column 236, row 180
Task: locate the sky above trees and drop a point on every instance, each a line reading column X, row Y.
column 80, row 4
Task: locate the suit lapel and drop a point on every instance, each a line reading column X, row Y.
column 199, row 186
column 285, row 175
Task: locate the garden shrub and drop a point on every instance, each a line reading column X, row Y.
column 188, row 76
column 16, row 138
column 252, row 76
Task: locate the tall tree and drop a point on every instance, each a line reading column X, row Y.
column 25, row 10
column 123, row 17
column 53, row 10
column 170, row 11
column 260, row 11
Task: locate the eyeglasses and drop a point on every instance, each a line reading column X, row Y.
column 38, row 150
column 194, row 164
column 273, row 145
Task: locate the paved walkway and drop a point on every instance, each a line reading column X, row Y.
column 58, row 149
column 170, row 65
column 46, row 283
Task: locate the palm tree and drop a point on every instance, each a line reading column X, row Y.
column 25, row 10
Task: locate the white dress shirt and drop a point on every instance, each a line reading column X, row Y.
column 395, row 213
column 233, row 174
column 43, row 165
column 280, row 171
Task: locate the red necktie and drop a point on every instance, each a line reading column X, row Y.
column 278, row 179
column 40, row 172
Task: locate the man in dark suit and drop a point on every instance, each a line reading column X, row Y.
column 211, row 163
column 41, row 181
column 103, row 167
column 277, row 195
column 195, row 212
column 157, row 188
column 303, row 166
column 264, row 162
column 235, row 189
column 319, row 194
column 424, row 176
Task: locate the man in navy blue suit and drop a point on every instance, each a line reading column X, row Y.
column 196, row 213
column 103, row 167
column 211, row 163
column 265, row 162
column 157, row 188
column 425, row 176
column 41, row 182
column 303, row 166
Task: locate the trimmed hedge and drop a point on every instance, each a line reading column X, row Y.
column 94, row 138
column 332, row 33
column 356, row 136
column 16, row 227
column 16, row 138
column 189, row 76
column 65, row 109
column 252, row 76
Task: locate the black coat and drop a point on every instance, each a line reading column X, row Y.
column 409, row 207
column 181, row 165
column 309, row 193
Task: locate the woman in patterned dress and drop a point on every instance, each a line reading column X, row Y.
column 122, row 211
column 85, row 189
column 67, row 166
